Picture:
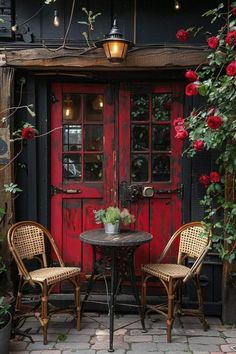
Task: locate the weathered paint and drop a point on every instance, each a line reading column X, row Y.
column 161, row 215
column 72, row 214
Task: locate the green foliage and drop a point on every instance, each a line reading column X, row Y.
column 91, row 18
column 2, row 213
column 4, row 311
column 2, row 266
column 4, row 306
column 61, row 337
column 113, row 215
column 29, row 109
column 219, row 90
column 12, row 188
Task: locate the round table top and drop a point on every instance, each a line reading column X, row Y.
column 125, row 238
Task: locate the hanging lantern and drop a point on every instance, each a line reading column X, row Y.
column 115, row 46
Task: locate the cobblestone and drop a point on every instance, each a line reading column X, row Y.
column 187, row 336
column 206, row 340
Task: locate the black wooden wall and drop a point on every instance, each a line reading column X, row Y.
column 153, row 21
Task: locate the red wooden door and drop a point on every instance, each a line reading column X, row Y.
column 81, row 165
column 150, row 162
column 103, row 156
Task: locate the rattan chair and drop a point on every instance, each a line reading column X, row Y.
column 194, row 243
column 27, row 241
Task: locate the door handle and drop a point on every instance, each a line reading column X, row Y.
column 179, row 191
column 56, row 190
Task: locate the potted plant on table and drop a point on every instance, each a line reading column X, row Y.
column 5, row 319
column 112, row 217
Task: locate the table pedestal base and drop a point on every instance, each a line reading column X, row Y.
column 119, row 264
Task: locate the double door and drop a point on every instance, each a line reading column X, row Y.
column 114, row 147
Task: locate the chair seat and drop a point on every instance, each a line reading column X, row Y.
column 54, row 274
column 166, row 271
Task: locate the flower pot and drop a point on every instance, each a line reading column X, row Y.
column 5, row 334
column 112, row 228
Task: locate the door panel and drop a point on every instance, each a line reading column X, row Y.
column 82, row 165
column 104, row 156
column 152, row 159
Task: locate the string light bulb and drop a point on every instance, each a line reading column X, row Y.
column 177, row 5
column 97, row 104
column 56, row 19
column 68, row 109
column 68, row 112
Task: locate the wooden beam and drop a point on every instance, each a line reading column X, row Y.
column 6, row 171
column 138, row 58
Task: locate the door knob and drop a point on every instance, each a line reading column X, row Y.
column 148, row 192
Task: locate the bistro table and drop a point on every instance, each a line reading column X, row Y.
column 114, row 254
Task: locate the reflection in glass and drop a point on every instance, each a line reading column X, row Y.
column 72, row 137
column 139, row 107
column 71, row 107
column 93, row 104
column 161, row 137
column 160, row 168
column 161, row 106
column 139, row 137
column 139, row 168
column 93, row 137
column 93, row 167
column 72, row 167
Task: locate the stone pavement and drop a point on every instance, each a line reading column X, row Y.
column 188, row 336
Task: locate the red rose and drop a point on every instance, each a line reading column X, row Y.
column 215, row 177
column 231, row 68
column 204, row 180
column 233, row 11
column 213, row 42
column 230, row 39
column 214, row 122
column 198, row 145
column 178, row 122
column 193, row 114
column 191, row 90
column 182, row 35
column 191, row 75
column 182, row 134
column 28, row 133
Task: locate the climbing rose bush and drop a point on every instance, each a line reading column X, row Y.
column 213, row 42
column 191, row 75
column 182, row 35
column 213, row 126
column 28, row 133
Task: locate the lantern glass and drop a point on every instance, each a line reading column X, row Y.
column 115, row 50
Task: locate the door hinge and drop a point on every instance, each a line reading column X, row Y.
column 56, row 190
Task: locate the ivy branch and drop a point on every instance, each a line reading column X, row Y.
column 91, row 18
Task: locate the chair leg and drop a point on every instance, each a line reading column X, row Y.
column 179, row 299
column 200, row 303
column 77, row 301
column 44, row 312
column 170, row 313
column 19, row 295
column 143, row 292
